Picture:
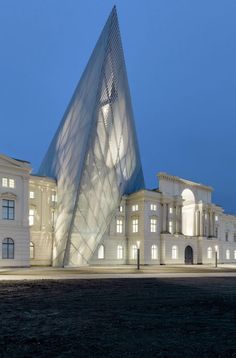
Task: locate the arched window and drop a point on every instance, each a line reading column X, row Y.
column 101, row 252
column 8, row 248
column 227, row 254
column 31, row 250
column 209, row 253
column 134, row 252
column 120, row 252
column 154, row 252
column 174, row 252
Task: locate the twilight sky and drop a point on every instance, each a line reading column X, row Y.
column 181, row 63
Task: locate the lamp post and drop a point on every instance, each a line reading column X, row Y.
column 216, row 256
column 138, row 255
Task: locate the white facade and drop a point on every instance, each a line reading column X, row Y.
column 174, row 224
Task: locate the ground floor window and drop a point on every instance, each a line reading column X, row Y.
column 134, row 252
column 174, row 252
column 227, row 254
column 120, row 252
column 235, row 254
column 154, row 252
column 209, row 253
column 31, row 250
column 8, row 248
column 101, row 252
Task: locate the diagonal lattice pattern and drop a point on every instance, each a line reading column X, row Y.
column 94, row 155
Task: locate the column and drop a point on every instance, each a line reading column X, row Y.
column 180, row 219
column 167, row 217
column 176, row 219
column 164, row 217
column 201, row 223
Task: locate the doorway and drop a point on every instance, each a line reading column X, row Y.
column 188, row 255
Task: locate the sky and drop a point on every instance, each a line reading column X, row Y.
column 181, row 64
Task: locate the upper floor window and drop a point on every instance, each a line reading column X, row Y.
column 135, row 225
column 119, row 226
column 135, row 207
column 120, row 208
column 174, row 252
column 8, row 209
column 101, row 252
column 209, row 253
column 8, row 183
column 120, row 252
column 31, row 195
column 226, row 236
column 235, row 237
column 31, row 250
column 8, row 248
column 154, row 252
column 171, row 227
column 54, row 197
column 216, row 232
column 31, row 217
column 153, row 225
column 227, row 254
column 216, row 218
column 153, row 207
column 171, row 210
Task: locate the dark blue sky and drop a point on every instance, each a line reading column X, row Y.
column 181, row 63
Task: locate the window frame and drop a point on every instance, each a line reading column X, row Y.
column 8, row 242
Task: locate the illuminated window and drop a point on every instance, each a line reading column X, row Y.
column 11, row 183
column 171, row 227
column 174, row 252
column 171, row 210
column 135, row 207
column 8, row 209
column 5, row 182
column 154, row 252
column 31, row 250
column 119, row 226
column 134, row 252
column 216, row 218
column 31, row 194
column 8, row 248
column 31, row 217
column 209, row 253
column 135, row 225
column 153, row 207
column 227, row 254
column 120, row 208
column 120, row 252
column 54, row 197
column 101, row 252
column 226, row 236
column 235, row 254
column 153, row 225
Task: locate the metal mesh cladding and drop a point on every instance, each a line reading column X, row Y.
column 94, row 155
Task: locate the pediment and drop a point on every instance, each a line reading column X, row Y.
column 6, row 161
column 8, row 196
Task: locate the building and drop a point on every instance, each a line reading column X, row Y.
column 88, row 204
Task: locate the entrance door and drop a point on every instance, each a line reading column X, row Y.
column 188, row 255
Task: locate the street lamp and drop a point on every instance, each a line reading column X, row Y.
column 216, row 256
column 138, row 255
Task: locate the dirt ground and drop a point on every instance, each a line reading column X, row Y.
column 182, row 317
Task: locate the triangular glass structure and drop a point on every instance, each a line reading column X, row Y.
column 94, row 155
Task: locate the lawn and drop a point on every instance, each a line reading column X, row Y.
column 188, row 317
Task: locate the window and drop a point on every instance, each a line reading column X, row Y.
column 235, row 254
column 216, row 218
column 153, row 225
column 8, row 183
column 216, row 232
column 154, row 252
column 31, row 194
column 153, row 207
column 134, row 252
column 135, row 225
column 8, row 209
column 119, row 226
column 11, row 183
column 174, row 252
column 209, row 253
column 135, row 207
column 227, row 254
column 226, row 236
column 120, row 208
column 171, row 210
column 5, row 182
column 235, row 237
column 31, row 250
column 120, row 252
column 171, row 227
column 54, row 197
column 31, row 217
column 8, row 248
column 101, row 252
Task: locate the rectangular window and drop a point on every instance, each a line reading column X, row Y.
column 8, row 209
column 120, row 208
column 227, row 254
column 235, row 254
column 171, row 227
column 135, row 207
column 135, row 225
column 171, row 210
column 11, row 183
column 5, row 182
column 54, row 197
column 153, row 225
column 31, row 194
column 226, row 236
column 31, row 217
column 235, row 237
column 153, row 207
column 119, row 226
column 216, row 218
